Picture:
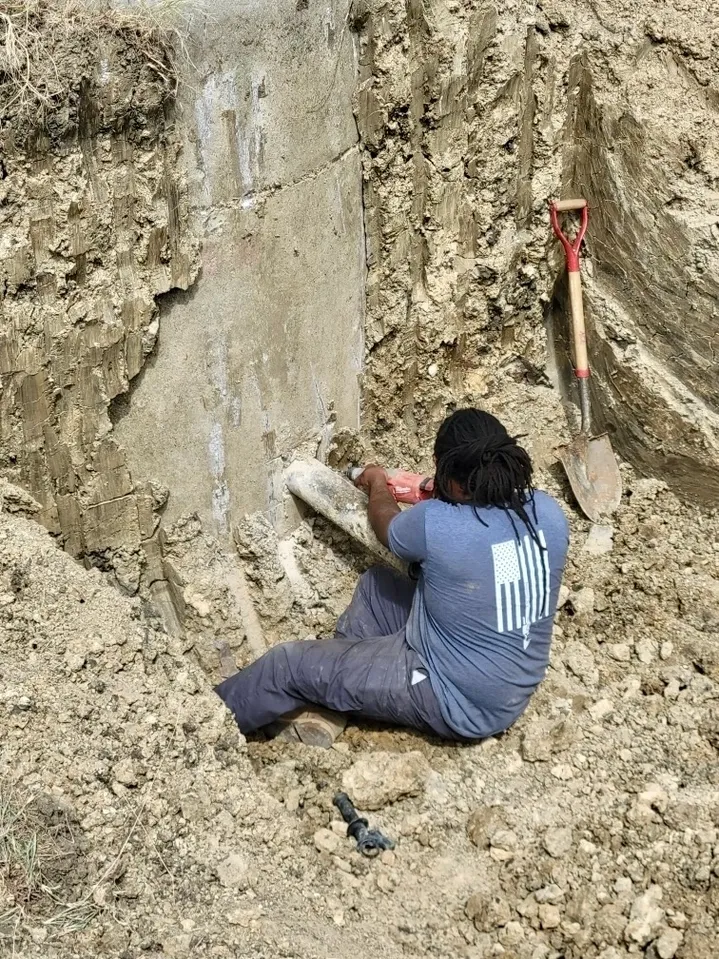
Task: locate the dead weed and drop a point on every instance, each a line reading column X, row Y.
column 30, row 76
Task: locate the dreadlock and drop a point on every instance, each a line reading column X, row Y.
column 475, row 450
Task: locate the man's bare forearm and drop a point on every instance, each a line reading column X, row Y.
column 382, row 507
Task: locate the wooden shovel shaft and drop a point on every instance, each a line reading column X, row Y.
column 562, row 206
column 579, row 330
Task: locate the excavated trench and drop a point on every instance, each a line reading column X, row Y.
column 196, row 281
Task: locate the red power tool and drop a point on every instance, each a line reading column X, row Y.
column 405, row 487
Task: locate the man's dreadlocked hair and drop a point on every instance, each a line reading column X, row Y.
column 476, row 451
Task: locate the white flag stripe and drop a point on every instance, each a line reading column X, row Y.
column 523, row 565
column 547, row 581
column 498, row 601
column 532, row 579
column 540, row 581
column 517, row 602
column 508, row 593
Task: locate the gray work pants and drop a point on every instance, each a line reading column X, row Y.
column 368, row 670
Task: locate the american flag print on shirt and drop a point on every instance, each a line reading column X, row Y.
column 521, row 584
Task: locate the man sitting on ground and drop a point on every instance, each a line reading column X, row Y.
column 458, row 652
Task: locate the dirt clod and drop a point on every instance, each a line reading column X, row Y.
column 383, row 778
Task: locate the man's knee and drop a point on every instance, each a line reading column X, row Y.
column 288, row 655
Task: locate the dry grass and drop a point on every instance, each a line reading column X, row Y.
column 30, row 30
column 30, row 852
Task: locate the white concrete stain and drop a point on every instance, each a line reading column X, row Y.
column 220, row 493
column 216, row 96
column 219, row 378
column 243, row 155
column 216, row 449
column 257, row 121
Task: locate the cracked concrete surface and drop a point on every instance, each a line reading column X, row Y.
column 266, row 351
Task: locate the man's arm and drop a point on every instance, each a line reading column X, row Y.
column 382, row 507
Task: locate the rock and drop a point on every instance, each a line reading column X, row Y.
column 504, row 839
column 620, row 652
column 645, row 917
column 177, row 947
column 698, row 595
column 601, row 709
column 558, row 841
column 512, row 934
column 124, row 773
column 244, row 916
column 564, row 594
column 75, row 661
column 488, row 913
column 536, row 744
column 583, row 603
column 611, row 953
column 666, row 650
column 233, row 872
column 654, row 797
column 14, row 499
column 668, row 943
column 483, row 823
column 609, row 922
column 600, row 540
column 384, row 778
column 551, row 893
column 502, row 845
column 646, row 652
column 549, row 916
column 329, row 842
column 544, row 737
column 580, row 661
column 197, row 602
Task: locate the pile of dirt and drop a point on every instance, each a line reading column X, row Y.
column 132, row 822
column 589, row 830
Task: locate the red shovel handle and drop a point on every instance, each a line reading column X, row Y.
column 570, row 248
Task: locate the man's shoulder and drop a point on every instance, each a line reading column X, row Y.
column 550, row 512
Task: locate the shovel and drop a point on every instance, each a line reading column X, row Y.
column 589, row 461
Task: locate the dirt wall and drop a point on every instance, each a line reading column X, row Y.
column 93, row 228
column 473, row 116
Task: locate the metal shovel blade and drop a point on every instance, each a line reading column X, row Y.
column 593, row 474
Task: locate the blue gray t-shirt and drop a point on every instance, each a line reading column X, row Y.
column 481, row 620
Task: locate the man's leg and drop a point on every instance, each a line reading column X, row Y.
column 380, row 605
column 328, row 673
column 369, row 677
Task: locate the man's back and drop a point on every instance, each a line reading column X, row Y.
column 482, row 616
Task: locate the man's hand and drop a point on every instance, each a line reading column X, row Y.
column 382, row 507
column 370, row 476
